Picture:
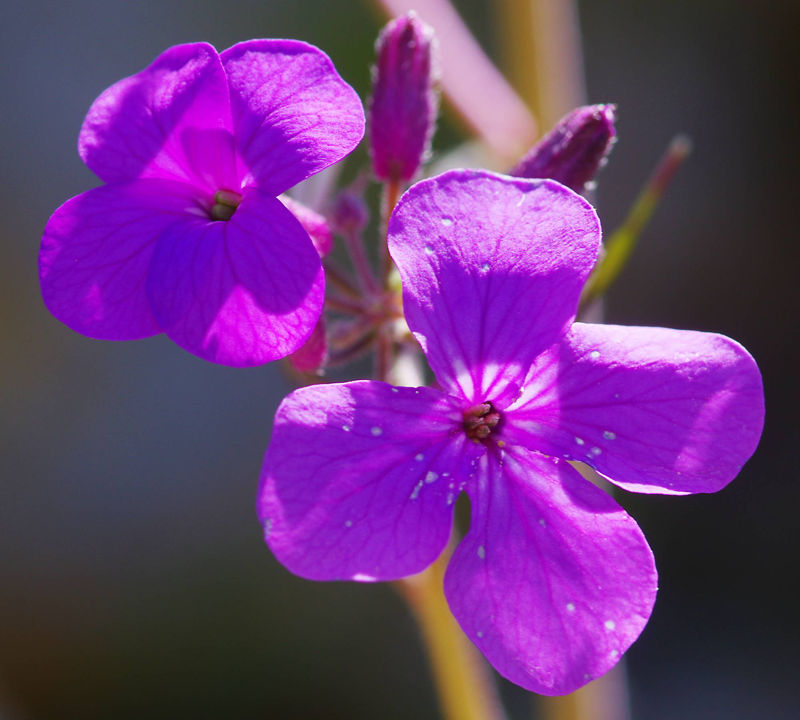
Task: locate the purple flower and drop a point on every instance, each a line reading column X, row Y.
column 553, row 580
column 574, row 150
column 403, row 107
column 187, row 237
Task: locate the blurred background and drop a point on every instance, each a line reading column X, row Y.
column 133, row 578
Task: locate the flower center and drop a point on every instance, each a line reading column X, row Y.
column 225, row 204
column 480, row 421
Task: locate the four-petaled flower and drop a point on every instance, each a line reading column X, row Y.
column 187, row 237
column 553, row 580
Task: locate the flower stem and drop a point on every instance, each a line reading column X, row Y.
column 364, row 274
column 541, row 41
column 462, row 680
column 623, row 240
column 391, row 194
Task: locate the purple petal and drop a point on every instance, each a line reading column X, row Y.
column 359, row 478
column 171, row 120
column 553, row 581
column 293, row 113
column 654, row 410
column 239, row 292
column 96, row 252
column 492, row 270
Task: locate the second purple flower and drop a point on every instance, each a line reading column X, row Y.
column 187, row 236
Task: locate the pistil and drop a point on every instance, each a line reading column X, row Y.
column 480, row 421
column 225, row 204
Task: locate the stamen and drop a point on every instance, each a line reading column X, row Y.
column 225, row 204
column 480, row 420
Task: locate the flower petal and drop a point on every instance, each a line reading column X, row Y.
column 96, row 251
column 239, row 292
column 171, row 120
column 293, row 113
column 553, row 581
column 492, row 269
column 358, row 480
column 654, row 410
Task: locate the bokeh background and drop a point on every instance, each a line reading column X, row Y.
column 133, row 578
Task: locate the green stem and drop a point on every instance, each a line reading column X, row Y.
column 462, row 680
column 620, row 245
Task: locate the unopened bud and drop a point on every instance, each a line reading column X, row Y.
column 349, row 213
column 314, row 353
column 574, row 150
column 404, row 103
column 313, row 223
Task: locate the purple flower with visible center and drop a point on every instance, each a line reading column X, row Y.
column 187, row 236
column 553, row 581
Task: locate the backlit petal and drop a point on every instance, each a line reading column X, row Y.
column 654, row 410
column 492, row 269
column 96, row 252
column 171, row 120
column 359, row 479
column 293, row 113
column 553, row 581
column 239, row 292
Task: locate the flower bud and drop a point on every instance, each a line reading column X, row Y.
column 574, row 150
column 313, row 223
column 349, row 213
column 312, row 356
column 404, row 103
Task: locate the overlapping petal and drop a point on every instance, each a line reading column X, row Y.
column 655, row 410
column 96, row 252
column 359, row 479
column 241, row 292
column 553, row 581
column 293, row 114
column 171, row 120
column 492, row 270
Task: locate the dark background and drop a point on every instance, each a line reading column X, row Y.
column 133, row 578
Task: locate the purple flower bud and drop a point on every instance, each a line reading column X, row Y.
column 574, row 150
column 403, row 107
column 350, row 213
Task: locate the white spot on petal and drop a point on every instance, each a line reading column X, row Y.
column 595, row 451
column 486, row 267
column 394, row 389
column 579, row 441
column 348, row 523
column 479, row 633
column 375, row 430
column 346, row 428
column 428, row 250
column 610, row 624
column 594, row 354
column 542, row 522
column 608, row 435
column 419, row 457
column 363, row 577
column 481, row 552
column 431, row 476
column 571, row 607
column 447, row 222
